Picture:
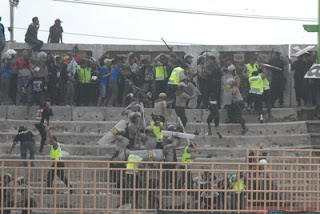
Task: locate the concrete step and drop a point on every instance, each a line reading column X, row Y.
column 100, row 127
column 78, row 150
column 114, row 114
column 285, row 139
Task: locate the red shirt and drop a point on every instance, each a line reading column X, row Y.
column 20, row 63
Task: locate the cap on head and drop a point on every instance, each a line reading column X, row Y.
column 57, row 21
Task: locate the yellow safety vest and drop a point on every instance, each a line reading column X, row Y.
column 175, row 76
column 256, row 85
column 239, row 185
column 251, row 68
column 56, row 154
column 161, row 72
column 186, row 157
column 157, row 131
column 266, row 84
column 133, row 165
column 84, row 74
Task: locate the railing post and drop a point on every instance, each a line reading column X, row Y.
column 81, row 187
column 29, row 188
column 108, row 188
column 160, row 187
column 2, row 186
column 55, row 185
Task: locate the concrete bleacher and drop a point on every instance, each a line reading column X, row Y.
column 80, row 128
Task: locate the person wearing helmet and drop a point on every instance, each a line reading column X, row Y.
column 160, row 108
column 189, row 72
column 134, row 129
column 25, row 195
column 8, row 193
column 6, row 76
column 181, row 101
column 38, row 87
column 256, row 91
column 157, row 127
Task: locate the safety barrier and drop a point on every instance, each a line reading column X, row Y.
column 104, row 186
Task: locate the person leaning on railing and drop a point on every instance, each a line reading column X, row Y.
column 56, row 155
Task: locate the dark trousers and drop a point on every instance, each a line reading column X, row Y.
column 277, row 89
column 309, row 91
column 267, row 100
column 257, row 99
column 37, row 44
column 317, row 95
column 171, row 92
column 43, row 134
column 161, row 87
column 235, row 114
column 85, row 94
column 53, row 92
column 24, row 147
column 128, row 185
column 181, row 112
column 202, row 89
column 299, row 90
column 214, row 115
column 60, row 173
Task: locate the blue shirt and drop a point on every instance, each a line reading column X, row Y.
column 115, row 74
column 1, row 30
column 6, row 68
column 103, row 71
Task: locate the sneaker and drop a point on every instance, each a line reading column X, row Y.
column 219, row 135
column 244, row 131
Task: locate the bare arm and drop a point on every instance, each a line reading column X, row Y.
column 12, row 147
column 165, row 110
column 52, row 141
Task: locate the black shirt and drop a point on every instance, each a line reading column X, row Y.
column 55, row 34
column 299, row 69
column 24, row 136
column 46, row 113
column 37, row 82
column 32, row 32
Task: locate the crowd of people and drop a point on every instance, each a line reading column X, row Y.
column 33, row 77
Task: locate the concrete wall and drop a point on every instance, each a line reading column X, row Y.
column 230, row 50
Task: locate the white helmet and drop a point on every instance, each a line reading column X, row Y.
column 10, row 53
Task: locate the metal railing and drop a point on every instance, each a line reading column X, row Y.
column 104, row 186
